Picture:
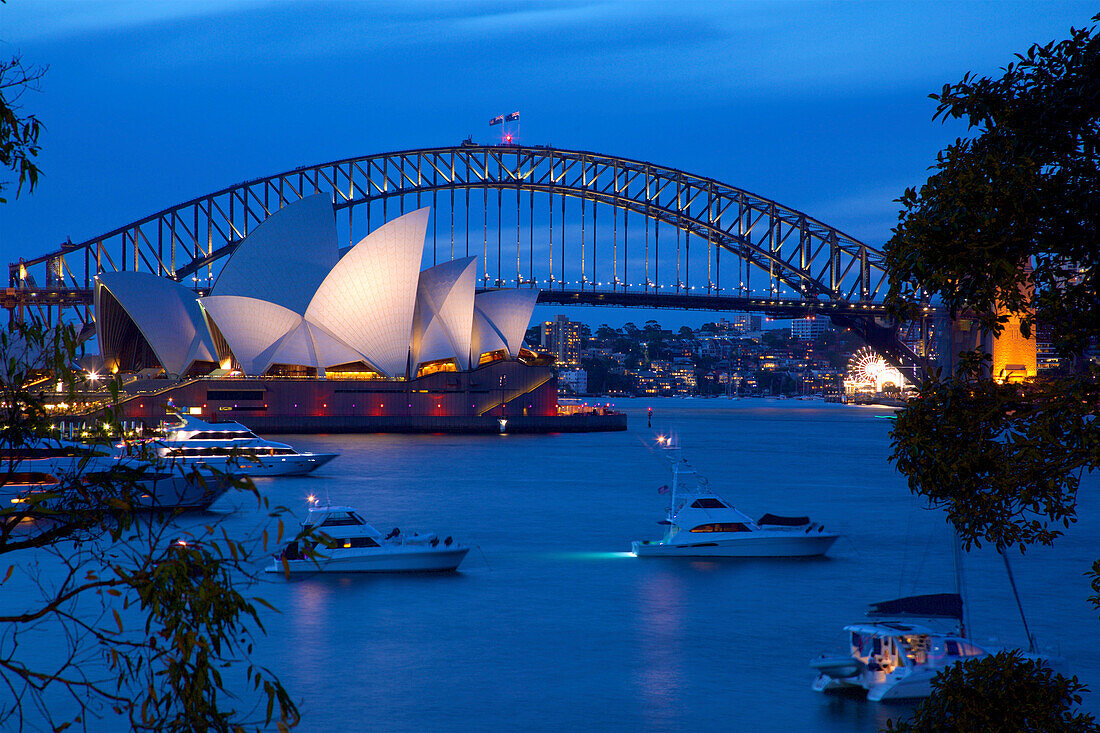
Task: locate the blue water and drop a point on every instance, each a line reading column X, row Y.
column 551, row 625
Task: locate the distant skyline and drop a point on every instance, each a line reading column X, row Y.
column 821, row 106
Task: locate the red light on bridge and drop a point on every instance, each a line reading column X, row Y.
column 507, row 138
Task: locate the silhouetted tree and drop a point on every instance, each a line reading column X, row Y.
column 1001, row 693
column 140, row 626
column 1004, row 461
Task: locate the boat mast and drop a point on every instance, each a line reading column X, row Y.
column 964, row 622
column 1019, row 605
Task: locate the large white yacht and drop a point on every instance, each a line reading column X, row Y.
column 893, row 658
column 702, row 524
column 357, row 547
column 231, row 446
column 48, row 465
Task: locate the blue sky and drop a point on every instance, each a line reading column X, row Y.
column 821, row 106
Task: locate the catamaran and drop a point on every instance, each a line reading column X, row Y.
column 896, row 653
column 903, row 646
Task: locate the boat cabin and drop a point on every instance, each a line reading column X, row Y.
column 189, row 427
column 891, row 641
column 337, row 522
column 885, row 646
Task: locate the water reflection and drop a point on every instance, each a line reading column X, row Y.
column 659, row 621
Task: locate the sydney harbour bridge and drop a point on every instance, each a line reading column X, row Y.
column 581, row 227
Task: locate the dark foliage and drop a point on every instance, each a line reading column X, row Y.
column 1001, row 693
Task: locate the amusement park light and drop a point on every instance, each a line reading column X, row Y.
column 869, row 370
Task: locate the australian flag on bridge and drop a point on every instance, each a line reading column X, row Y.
column 499, row 119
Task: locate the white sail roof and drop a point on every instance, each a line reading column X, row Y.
column 307, row 344
column 368, row 298
column 501, row 318
column 251, row 327
column 443, row 319
column 285, row 258
column 166, row 313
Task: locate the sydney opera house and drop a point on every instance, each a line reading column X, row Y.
column 296, row 335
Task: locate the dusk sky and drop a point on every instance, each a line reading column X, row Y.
column 820, row 106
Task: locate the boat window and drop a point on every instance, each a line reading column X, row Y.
column 27, row 478
column 916, row 647
column 721, row 527
column 708, row 503
column 222, row 451
column 221, row 435
column 18, row 454
column 362, row 542
column 340, row 521
column 963, row 649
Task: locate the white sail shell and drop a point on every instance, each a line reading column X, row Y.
column 251, row 327
column 368, row 298
column 286, row 257
column 166, row 313
column 501, row 318
column 444, row 313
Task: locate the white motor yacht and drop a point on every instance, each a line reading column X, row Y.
column 893, row 658
column 231, row 446
column 360, row 548
column 47, row 465
column 702, row 524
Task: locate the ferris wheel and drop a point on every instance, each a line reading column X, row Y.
column 868, row 368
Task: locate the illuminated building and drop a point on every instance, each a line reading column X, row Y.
column 808, row 329
column 373, row 313
column 293, row 335
column 574, row 380
column 562, row 338
column 1046, row 357
column 1014, row 356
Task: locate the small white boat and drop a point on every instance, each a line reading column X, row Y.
column 702, row 524
column 360, row 548
column 893, row 658
column 233, row 447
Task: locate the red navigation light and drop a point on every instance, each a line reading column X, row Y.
column 507, row 138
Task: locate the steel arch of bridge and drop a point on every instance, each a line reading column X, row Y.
column 810, row 267
column 810, row 258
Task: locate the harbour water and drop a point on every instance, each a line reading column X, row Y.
column 551, row 625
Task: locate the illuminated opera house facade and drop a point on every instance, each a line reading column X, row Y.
column 296, row 336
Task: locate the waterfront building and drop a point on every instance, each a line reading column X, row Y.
column 562, row 338
column 683, row 376
column 1046, row 358
column 808, row 329
column 372, row 314
column 573, row 380
column 743, row 322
